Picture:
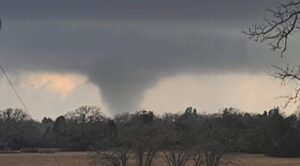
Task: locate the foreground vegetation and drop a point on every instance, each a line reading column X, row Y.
column 177, row 139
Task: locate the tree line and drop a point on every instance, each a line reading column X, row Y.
column 177, row 138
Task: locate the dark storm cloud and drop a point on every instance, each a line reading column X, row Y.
column 155, row 10
column 125, row 47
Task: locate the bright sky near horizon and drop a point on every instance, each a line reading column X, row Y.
column 52, row 95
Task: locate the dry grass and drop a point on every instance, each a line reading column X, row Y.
column 261, row 160
column 82, row 159
column 38, row 159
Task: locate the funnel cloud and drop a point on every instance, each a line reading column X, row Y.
column 126, row 47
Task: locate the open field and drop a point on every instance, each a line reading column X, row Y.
column 82, row 159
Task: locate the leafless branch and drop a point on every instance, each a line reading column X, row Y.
column 287, row 75
column 279, row 28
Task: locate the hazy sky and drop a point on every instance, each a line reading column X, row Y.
column 162, row 55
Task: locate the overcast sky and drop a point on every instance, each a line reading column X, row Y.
column 161, row 55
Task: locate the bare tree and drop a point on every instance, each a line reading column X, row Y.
column 17, row 126
column 177, row 157
column 277, row 30
column 138, row 134
column 145, row 136
column 15, row 115
column 181, row 138
column 86, row 114
column 115, row 147
column 106, row 158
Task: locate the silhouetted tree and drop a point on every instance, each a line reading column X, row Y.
column 190, row 137
column 84, row 127
column 281, row 135
column 114, row 148
column 145, row 136
column 181, row 137
column 17, row 130
column 60, row 131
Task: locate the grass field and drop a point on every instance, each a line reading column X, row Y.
column 82, row 159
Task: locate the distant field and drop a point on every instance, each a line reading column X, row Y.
column 82, row 159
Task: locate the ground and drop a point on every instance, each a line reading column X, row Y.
column 82, row 159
